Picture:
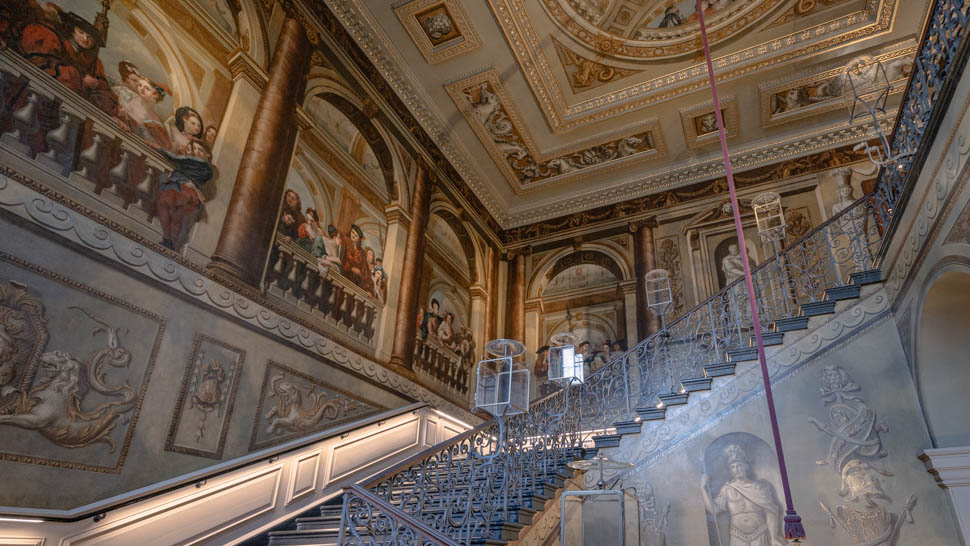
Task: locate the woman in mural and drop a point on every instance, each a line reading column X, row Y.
column 189, row 128
column 354, row 264
column 446, row 331
column 179, row 194
column 137, row 97
column 380, row 283
column 328, row 249
column 309, row 231
column 291, row 216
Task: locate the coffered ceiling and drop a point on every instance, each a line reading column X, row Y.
column 551, row 107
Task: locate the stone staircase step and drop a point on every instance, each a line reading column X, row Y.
column 817, row 308
column 869, row 276
column 303, row 538
column 743, row 354
column 651, row 413
column 627, row 427
column 720, row 369
column 771, row 338
column 839, row 293
column 791, row 324
column 673, row 398
column 607, row 440
column 696, row 384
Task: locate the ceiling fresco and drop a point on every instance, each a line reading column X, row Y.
column 564, row 106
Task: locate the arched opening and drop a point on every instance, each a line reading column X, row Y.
column 943, row 368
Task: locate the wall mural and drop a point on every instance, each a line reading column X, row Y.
column 727, row 257
column 578, row 277
column 74, row 368
column 740, row 494
column 293, row 404
column 856, row 454
column 342, row 245
column 200, row 420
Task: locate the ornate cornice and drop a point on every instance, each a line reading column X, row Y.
column 638, row 209
column 242, row 65
column 56, row 213
column 626, row 191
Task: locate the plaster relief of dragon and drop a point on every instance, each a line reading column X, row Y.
column 299, row 410
column 54, row 405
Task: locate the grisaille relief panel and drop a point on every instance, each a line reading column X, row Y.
column 293, row 404
column 864, row 511
column 74, row 368
column 739, row 485
column 200, row 420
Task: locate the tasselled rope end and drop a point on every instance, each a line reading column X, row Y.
column 794, row 530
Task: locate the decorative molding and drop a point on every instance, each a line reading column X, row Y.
column 213, row 391
column 515, row 22
column 52, row 211
column 700, row 122
column 584, row 73
column 439, row 28
column 492, row 114
column 242, row 65
column 637, row 208
column 790, row 99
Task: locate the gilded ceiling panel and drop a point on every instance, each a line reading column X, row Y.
column 440, row 28
column 493, row 116
column 667, row 53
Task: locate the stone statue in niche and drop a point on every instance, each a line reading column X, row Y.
column 731, row 265
column 735, row 489
column 856, row 454
column 55, row 401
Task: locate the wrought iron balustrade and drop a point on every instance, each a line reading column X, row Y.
column 45, row 122
column 367, row 519
column 939, row 61
column 467, row 486
column 295, row 276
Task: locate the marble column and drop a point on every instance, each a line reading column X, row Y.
column 491, row 309
column 398, row 222
column 515, row 305
column 402, row 352
column 644, row 260
column 251, row 217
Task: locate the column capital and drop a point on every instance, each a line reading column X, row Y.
column 514, row 253
column 395, row 213
column 243, row 66
column 477, row 291
column 648, row 222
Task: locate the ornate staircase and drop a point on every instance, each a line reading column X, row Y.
column 486, row 485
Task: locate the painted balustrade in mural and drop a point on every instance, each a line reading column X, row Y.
column 298, row 278
column 446, row 367
column 41, row 120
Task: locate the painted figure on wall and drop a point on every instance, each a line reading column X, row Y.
column 431, row 319
column 732, row 266
column 70, row 47
column 753, row 513
column 343, row 253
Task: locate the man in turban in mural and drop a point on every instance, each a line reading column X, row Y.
column 354, row 263
column 66, row 46
column 749, row 501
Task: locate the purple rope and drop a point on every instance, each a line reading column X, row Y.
column 793, row 525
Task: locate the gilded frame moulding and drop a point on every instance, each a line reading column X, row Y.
column 516, row 145
column 562, row 117
column 452, row 35
column 773, row 115
column 697, row 122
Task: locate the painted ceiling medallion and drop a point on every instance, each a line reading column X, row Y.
column 700, row 122
column 653, row 29
column 440, row 28
column 491, row 113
